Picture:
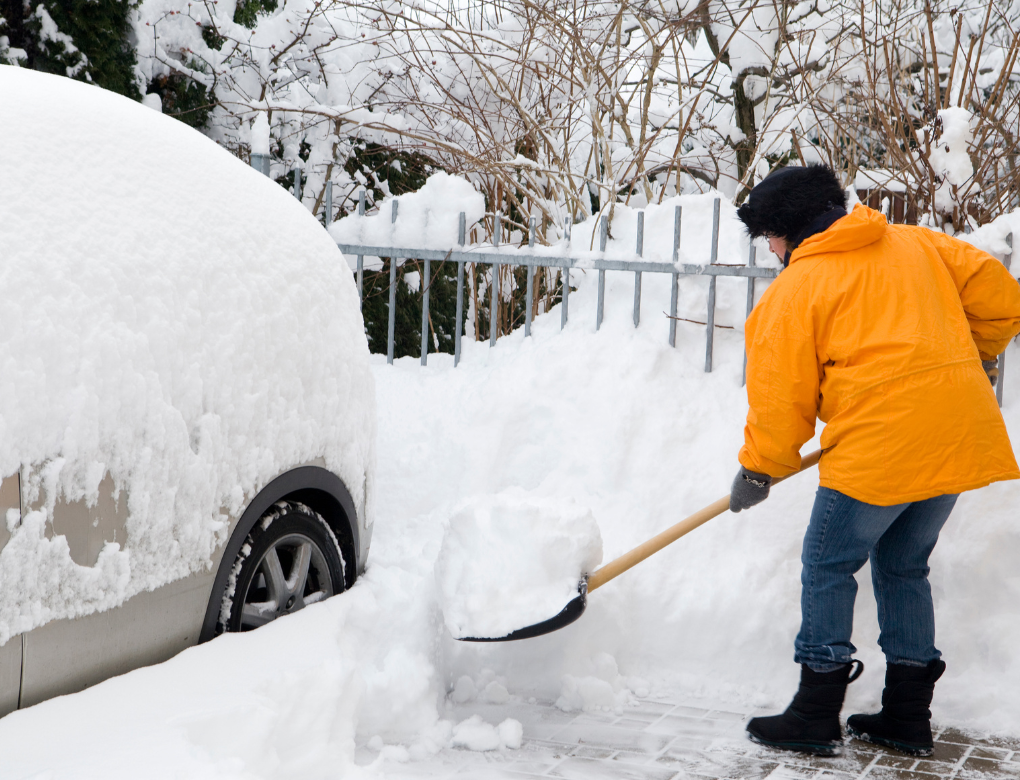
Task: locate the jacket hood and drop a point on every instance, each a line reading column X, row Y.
column 857, row 229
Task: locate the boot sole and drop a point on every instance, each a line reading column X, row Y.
column 828, row 749
column 920, row 751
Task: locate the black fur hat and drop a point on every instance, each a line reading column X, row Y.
column 788, row 199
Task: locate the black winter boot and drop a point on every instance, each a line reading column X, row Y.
column 811, row 722
column 905, row 720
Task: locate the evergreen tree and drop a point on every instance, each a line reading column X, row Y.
column 88, row 40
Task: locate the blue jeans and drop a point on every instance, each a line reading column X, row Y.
column 842, row 535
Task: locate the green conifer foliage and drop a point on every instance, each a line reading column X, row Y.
column 405, row 172
column 85, row 39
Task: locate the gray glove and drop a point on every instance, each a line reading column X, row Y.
column 749, row 488
column 991, row 368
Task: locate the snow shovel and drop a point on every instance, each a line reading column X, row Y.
column 576, row 606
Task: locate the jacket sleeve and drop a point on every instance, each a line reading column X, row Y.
column 783, row 377
column 990, row 295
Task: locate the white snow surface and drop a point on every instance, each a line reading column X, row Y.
column 428, row 218
column 169, row 317
column 618, row 422
column 510, row 560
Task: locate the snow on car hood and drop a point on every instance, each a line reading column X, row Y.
column 169, row 316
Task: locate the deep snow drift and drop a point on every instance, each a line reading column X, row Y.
column 179, row 322
column 627, row 428
column 511, row 560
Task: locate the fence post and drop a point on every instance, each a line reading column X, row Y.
column 297, row 181
column 676, row 277
column 461, row 237
column 361, row 258
column 426, row 283
column 565, row 279
column 531, row 275
column 328, row 210
column 710, row 320
column 603, row 237
column 1007, row 261
column 494, row 298
column 260, row 162
column 393, row 297
column 637, row 274
column 751, row 259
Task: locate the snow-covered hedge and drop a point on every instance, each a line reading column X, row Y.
column 168, row 316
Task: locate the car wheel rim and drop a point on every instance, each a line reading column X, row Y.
column 289, row 576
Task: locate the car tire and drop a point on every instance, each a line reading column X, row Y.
column 290, row 559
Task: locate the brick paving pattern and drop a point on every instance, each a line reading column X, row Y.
column 660, row 740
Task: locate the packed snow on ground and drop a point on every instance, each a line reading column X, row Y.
column 623, row 426
column 510, row 560
column 167, row 316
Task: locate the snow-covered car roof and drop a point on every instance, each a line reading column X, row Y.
column 169, row 316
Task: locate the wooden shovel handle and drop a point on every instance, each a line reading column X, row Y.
column 634, row 557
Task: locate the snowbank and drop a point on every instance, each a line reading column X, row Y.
column 173, row 319
column 511, row 560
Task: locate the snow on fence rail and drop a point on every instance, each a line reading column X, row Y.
column 497, row 256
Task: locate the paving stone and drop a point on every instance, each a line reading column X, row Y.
column 896, row 760
column 787, row 772
column 949, row 751
column 723, row 715
column 965, row 738
column 890, row 773
column 719, row 765
column 586, row 769
column 701, row 727
column 598, row 735
column 590, row 752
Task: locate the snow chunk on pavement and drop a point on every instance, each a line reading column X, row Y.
column 475, row 734
column 513, row 559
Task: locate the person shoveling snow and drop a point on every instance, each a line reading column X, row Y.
column 885, row 333
column 512, row 560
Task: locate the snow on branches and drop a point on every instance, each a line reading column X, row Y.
column 558, row 110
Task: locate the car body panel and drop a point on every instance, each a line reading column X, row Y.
column 88, row 528
column 66, row 656
column 69, row 655
column 10, row 652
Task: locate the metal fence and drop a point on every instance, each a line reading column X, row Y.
column 498, row 256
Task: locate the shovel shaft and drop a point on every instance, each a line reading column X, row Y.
column 618, row 566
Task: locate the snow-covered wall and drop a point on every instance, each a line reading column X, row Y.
column 168, row 316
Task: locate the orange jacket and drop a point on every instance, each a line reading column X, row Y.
column 878, row 330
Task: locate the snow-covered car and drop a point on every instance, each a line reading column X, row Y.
column 187, row 420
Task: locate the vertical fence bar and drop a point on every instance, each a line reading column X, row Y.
column 637, row 274
column 565, row 278
column 260, row 162
column 328, row 210
column 461, row 237
column 297, row 182
column 710, row 320
column 393, row 298
column 361, row 258
column 676, row 277
column 426, row 283
column 751, row 260
column 530, row 269
column 603, row 237
column 494, row 298
column 1007, row 261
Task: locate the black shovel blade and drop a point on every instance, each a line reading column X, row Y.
column 574, row 609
